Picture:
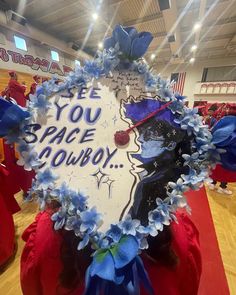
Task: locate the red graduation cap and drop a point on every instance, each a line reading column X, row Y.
column 12, row 73
column 36, row 77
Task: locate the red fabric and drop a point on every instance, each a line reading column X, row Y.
column 32, row 90
column 6, row 191
column 222, row 174
column 20, row 178
column 7, row 231
column 41, row 265
column 213, row 280
column 17, row 92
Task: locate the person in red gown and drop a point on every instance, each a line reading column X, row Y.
column 7, row 157
column 8, row 206
column 20, row 178
column 16, row 90
column 224, row 176
column 224, row 137
column 51, row 264
column 33, row 86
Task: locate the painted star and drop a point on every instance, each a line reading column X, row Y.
column 109, row 183
column 104, row 124
column 111, row 105
column 149, row 201
column 99, row 176
column 114, row 119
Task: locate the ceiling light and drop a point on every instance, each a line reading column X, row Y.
column 100, row 45
column 194, row 47
column 95, row 16
column 12, row 15
column 192, row 60
column 197, row 26
column 153, row 56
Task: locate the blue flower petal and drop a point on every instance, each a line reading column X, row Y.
column 109, row 43
column 103, row 265
column 132, row 32
column 83, row 243
column 140, row 44
column 123, row 38
column 125, row 251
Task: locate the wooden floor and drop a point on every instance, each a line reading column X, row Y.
column 10, row 279
column 223, row 210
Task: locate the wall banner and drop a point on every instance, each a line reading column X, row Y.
column 35, row 63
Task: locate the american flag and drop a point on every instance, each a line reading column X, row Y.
column 179, row 79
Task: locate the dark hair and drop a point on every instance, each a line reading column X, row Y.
column 156, row 128
column 74, row 262
column 213, row 108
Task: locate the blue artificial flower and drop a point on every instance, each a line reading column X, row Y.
column 163, row 206
column 40, row 103
column 150, row 80
column 179, row 97
column 191, row 112
column 204, row 175
column 46, row 179
column 141, row 234
column 61, row 193
column 142, row 241
column 78, row 202
column 90, row 220
column 12, row 121
column 204, row 133
column 177, row 200
column 152, row 230
column 190, row 178
column 93, row 68
column 158, row 219
column 73, row 223
column 108, row 59
column 22, row 146
column 195, row 123
column 191, row 160
column 82, row 244
column 201, row 144
column 29, row 160
column 177, row 107
column 178, row 187
column 189, row 122
column 114, row 233
column 100, row 241
column 141, row 67
column 129, row 225
column 59, row 218
column 213, row 154
column 132, row 44
column 165, row 93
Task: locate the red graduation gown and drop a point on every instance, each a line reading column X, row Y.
column 7, row 231
column 223, row 175
column 17, row 92
column 41, row 264
column 20, row 178
column 32, row 90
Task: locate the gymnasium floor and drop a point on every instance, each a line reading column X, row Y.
column 223, row 210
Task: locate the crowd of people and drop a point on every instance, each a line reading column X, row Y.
column 211, row 116
column 17, row 92
column 13, row 178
